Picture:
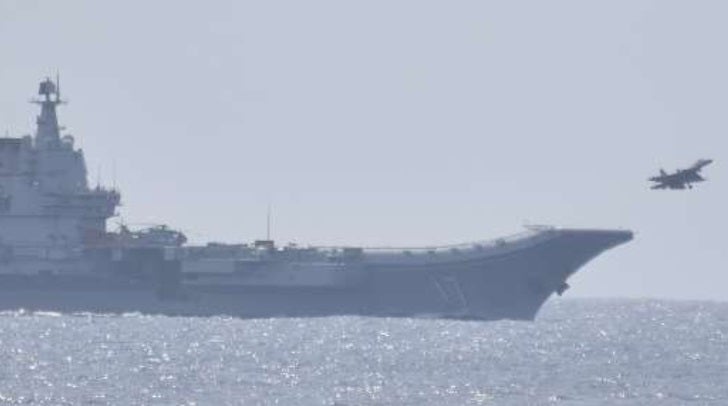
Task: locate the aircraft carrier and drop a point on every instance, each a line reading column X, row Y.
column 56, row 254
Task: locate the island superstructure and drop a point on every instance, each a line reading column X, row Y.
column 56, row 254
column 48, row 212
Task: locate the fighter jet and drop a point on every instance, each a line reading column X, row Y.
column 681, row 178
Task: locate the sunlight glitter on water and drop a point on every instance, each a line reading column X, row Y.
column 577, row 352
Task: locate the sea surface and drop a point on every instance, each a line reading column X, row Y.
column 578, row 352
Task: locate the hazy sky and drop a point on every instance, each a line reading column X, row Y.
column 398, row 122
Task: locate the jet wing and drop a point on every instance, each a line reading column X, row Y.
column 668, row 184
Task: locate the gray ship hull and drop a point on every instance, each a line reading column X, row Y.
column 509, row 285
column 56, row 254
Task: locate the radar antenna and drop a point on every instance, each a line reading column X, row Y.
column 267, row 224
column 58, row 86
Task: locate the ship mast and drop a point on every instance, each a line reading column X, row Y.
column 48, row 134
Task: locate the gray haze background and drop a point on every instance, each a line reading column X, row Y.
column 398, row 122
